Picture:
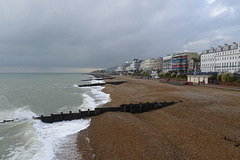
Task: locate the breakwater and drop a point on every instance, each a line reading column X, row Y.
column 131, row 108
column 101, row 84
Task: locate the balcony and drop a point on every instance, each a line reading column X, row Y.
column 176, row 60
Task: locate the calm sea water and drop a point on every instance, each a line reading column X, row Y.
column 23, row 96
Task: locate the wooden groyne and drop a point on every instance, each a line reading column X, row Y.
column 93, row 79
column 131, row 108
column 8, row 120
column 101, row 84
column 90, row 85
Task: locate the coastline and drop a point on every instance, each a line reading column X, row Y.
column 193, row 129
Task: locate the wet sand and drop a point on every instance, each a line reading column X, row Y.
column 206, row 125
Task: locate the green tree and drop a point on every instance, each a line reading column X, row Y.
column 219, row 76
column 227, row 77
column 160, row 75
column 173, row 75
column 166, row 75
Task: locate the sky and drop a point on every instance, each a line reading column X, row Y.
column 85, row 35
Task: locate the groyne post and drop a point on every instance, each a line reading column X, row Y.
column 52, row 118
column 140, row 107
column 62, row 116
column 88, row 113
column 70, row 115
column 131, row 108
column 155, row 105
column 124, row 108
column 147, row 106
column 97, row 111
column 80, row 113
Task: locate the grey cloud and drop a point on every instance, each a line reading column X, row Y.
column 83, row 34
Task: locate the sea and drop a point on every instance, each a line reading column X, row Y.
column 23, row 96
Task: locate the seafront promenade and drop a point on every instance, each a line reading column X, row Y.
column 204, row 126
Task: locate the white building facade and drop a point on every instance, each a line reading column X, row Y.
column 150, row 64
column 123, row 67
column 167, row 63
column 221, row 59
column 135, row 65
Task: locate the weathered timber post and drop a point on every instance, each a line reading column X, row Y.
column 80, row 113
column 124, row 108
column 165, row 103
column 97, row 111
column 155, row 105
column 121, row 108
column 140, row 107
column 41, row 117
column 131, row 109
column 88, row 112
column 70, row 115
column 172, row 102
column 62, row 116
column 52, row 118
column 147, row 106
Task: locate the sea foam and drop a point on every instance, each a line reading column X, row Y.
column 43, row 140
column 53, row 135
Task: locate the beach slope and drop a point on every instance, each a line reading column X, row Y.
column 206, row 125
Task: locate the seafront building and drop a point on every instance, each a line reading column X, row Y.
column 180, row 61
column 142, row 65
column 150, row 64
column 123, row 67
column 135, row 65
column 221, row 59
column 194, row 65
column 159, row 63
column 167, row 63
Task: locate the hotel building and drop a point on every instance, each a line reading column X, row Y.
column 167, row 63
column 135, row 65
column 221, row 59
column 180, row 61
column 150, row 64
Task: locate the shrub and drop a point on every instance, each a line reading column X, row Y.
column 219, row 76
column 166, row 75
column 178, row 76
column 160, row 75
column 238, row 80
column 214, row 76
column 173, row 75
column 227, row 77
column 184, row 75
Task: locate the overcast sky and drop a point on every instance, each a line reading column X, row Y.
column 78, row 35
